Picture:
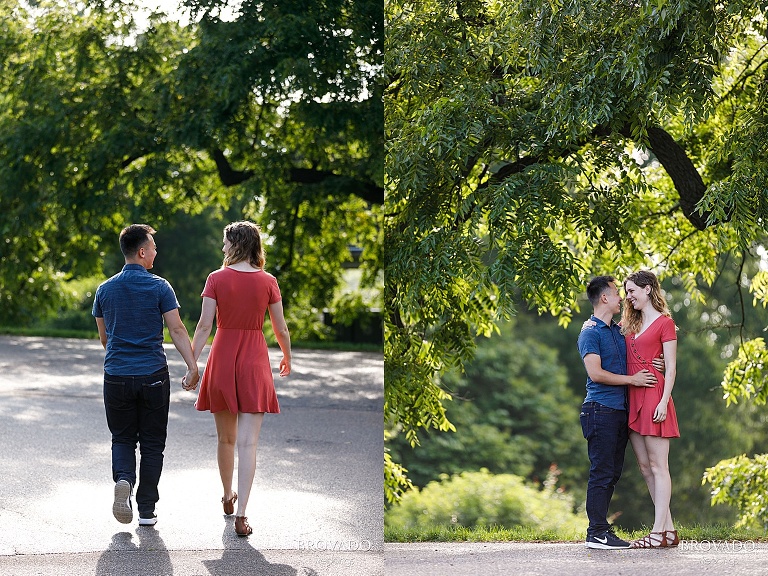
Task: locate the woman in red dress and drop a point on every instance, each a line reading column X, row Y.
column 237, row 385
column 649, row 330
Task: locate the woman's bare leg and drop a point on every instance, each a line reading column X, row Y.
column 226, row 429
column 248, row 428
column 658, row 454
column 643, row 460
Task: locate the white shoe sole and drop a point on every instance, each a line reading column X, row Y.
column 147, row 521
column 122, row 505
column 598, row 546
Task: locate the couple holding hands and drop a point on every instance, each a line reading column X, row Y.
column 237, row 386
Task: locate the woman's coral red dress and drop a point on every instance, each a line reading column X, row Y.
column 238, row 375
column 643, row 401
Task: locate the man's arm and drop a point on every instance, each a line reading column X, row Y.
column 102, row 331
column 180, row 338
column 593, row 364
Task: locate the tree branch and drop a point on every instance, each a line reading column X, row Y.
column 745, row 75
column 510, row 169
column 677, row 245
column 131, row 159
column 741, row 296
column 680, row 168
column 227, row 175
column 683, row 173
column 366, row 190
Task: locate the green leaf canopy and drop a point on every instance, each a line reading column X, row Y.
column 274, row 114
column 532, row 144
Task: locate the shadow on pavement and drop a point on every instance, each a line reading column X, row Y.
column 317, row 486
column 151, row 554
column 239, row 557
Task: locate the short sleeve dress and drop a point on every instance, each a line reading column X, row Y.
column 643, row 401
column 238, row 375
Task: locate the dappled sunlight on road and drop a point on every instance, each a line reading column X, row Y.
column 32, row 414
column 318, row 474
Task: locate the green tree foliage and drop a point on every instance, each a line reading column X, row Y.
column 474, row 499
column 187, row 239
column 742, row 482
column 531, row 144
column 274, row 114
column 535, row 364
column 514, row 413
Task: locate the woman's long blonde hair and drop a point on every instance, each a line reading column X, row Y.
column 245, row 237
column 631, row 319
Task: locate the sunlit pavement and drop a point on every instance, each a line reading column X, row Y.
column 548, row 559
column 316, row 506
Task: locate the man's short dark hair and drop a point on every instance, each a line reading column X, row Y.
column 134, row 237
column 597, row 286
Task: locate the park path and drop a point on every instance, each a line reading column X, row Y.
column 551, row 559
column 316, row 506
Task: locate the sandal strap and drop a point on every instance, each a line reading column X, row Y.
column 242, row 527
column 652, row 540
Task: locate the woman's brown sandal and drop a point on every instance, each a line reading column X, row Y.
column 674, row 540
column 653, row 540
column 229, row 505
column 242, row 528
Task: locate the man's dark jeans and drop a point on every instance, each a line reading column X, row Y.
column 607, row 434
column 137, row 412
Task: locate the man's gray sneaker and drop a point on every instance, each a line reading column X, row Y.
column 606, row 541
column 121, row 507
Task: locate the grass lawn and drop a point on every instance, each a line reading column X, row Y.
column 94, row 335
column 712, row 533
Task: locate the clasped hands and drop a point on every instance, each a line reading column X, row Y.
column 190, row 380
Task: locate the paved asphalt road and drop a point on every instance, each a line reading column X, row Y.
column 536, row 559
column 316, row 507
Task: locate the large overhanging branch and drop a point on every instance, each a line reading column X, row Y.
column 368, row 191
column 671, row 155
column 683, row 173
column 228, row 175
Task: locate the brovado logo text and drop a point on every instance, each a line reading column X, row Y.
column 336, row 545
column 727, row 547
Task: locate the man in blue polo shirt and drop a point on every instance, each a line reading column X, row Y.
column 129, row 309
column 604, row 412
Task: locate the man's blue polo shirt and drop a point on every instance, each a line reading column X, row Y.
column 608, row 343
column 132, row 304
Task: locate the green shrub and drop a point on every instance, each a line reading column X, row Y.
column 75, row 314
column 477, row 499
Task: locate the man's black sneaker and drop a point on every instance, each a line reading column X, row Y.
column 148, row 520
column 606, row 541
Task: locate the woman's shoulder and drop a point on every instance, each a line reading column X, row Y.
column 217, row 272
column 667, row 328
column 232, row 274
column 666, row 321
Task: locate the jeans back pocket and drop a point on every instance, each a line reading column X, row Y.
column 157, row 393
